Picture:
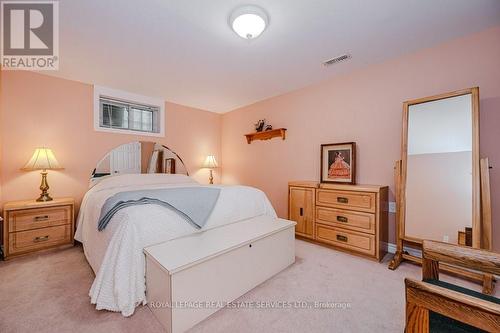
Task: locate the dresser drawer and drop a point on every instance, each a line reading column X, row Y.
column 351, row 240
column 358, row 221
column 24, row 241
column 29, row 219
column 362, row 201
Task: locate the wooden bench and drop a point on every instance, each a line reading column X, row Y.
column 436, row 306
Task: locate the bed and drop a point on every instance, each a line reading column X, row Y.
column 116, row 253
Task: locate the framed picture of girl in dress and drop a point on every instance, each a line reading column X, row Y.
column 338, row 163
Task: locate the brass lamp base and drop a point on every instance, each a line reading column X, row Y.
column 211, row 178
column 44, row 187
column 44, row 197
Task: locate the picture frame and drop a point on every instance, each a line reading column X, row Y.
column 338, row 163
column 169, row 166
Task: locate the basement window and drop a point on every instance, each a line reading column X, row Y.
column 121, row 112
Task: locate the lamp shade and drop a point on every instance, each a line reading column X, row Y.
column 42, row 159
column 210, row 162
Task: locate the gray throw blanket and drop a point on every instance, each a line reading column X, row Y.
column 194, row 204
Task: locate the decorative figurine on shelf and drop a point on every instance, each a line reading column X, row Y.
column 269, row 127
column 260, row 125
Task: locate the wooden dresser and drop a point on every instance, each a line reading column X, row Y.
column 353, row 218
column 31, row 226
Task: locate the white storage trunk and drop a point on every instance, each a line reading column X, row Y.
column 190, row 278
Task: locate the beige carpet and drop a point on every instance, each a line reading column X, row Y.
column 49, row 293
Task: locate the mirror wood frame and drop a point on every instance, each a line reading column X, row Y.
column 400, row 193
column 476, row 190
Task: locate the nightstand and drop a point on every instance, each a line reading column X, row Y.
column 30, row 226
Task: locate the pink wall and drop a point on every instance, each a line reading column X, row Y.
column 490, row 147
column 1, row 146
column 364, row 106
column 43, row 110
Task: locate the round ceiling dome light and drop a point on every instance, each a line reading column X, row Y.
column 248, row 21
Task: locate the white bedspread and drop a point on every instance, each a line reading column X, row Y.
column 115, row 253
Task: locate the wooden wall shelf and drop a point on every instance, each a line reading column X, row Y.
column 266, row 135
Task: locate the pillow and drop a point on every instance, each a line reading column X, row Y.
column 109, row 182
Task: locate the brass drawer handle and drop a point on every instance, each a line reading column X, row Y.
column 342, row 219
column 41, row 239
column 341, row 238
column 342, row 200
column 41, row 218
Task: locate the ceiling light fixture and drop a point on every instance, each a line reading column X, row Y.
column 248, row 21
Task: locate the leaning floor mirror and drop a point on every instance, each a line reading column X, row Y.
column 438, row 177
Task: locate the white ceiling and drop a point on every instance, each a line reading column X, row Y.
column 185, row 52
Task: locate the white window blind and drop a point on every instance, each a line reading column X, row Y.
column 125, row 115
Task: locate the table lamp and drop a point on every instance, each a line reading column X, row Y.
column 43, row 159
column 210, row 163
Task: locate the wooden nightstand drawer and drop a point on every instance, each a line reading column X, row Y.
column 351, row 240
column 31, row 240
column 30, row 219
column 361, row 201
column 30, row 226
column 358, row 221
